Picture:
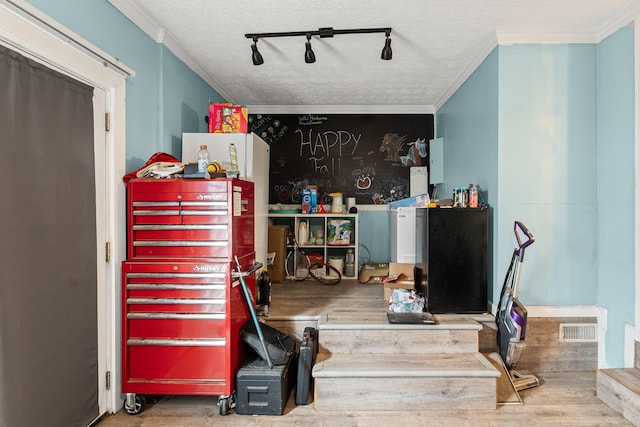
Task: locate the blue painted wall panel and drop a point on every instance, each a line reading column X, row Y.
column 615, row 189
column 547, row 169
column 468, row 122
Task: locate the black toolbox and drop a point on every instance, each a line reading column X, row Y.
column 308, row 352
column 261, row 390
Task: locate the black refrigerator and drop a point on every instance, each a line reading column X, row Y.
column 451, row 259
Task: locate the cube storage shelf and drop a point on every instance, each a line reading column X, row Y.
column 328, row 236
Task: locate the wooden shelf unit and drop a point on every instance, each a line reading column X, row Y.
column 323, row 223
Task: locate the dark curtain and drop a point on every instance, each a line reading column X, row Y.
column 48, row 302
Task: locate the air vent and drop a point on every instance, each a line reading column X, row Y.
column 578, row 332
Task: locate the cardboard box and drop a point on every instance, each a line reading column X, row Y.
column 277, row 243
column 400, row 276
column 227, row 118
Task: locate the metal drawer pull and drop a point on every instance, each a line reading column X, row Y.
column 216, row 342
column 208, row 213
column 221, row 275
column 156, row 213
column 257, row 266
column 181, row 243
column 182, row 316
column 147, row 204
column 209, row 301
column 181, row 227
column 194, row 287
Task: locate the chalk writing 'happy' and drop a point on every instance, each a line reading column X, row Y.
column 328, row 143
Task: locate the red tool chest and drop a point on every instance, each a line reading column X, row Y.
column 182, row 306
column 186, row 218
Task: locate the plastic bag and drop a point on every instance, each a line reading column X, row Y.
column 405, row 301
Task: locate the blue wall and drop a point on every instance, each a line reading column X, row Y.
column 468, row 122
column 532, row 108
column 562, row 161
column 375, row 236
column 164, row 99
column 547, row 169
column 615, row 188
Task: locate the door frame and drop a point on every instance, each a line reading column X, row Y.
column 26, row 35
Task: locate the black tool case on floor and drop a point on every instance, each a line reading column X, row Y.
column 261, row 390
column 308, row 351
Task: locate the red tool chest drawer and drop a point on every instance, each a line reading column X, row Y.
column 189, row 219
column 181, row 326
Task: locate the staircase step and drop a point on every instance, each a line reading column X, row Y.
column 375, row 335
column 404, row 382
column 620, row 389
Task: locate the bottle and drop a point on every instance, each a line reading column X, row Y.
column 203, row 159
column 303, row 233
column 350, row 264
column 473, row 196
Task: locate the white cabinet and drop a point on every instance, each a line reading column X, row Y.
column 326, row 238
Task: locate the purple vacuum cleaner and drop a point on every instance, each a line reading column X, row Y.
column 511, row 318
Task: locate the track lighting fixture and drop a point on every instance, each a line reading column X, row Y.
column 309, row 55
column 386, row 50
column 255, row 55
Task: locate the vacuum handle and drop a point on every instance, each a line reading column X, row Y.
column 247, row 296
column 522, row 244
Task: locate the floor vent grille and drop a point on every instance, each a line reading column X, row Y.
column 578, row 332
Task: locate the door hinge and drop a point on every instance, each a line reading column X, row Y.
column 107, row 122
column 107, row 251
column 107, row 380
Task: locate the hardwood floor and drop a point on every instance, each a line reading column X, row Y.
column 563, row 399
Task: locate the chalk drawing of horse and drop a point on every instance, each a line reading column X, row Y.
column 392, row 143
column 417, row 152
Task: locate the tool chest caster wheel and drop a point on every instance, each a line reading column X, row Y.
column 224, row 405
column 134, row 404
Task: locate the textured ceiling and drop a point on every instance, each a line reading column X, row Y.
column 436, row 43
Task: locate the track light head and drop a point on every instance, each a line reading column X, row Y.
column 309, row 56
column 256, row 57
column 386, row 50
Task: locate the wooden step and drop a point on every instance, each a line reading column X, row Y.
column 620, row 390
column 375, row 335
column 404, row 382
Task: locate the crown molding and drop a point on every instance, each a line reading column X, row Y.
column 341, row 109
column 515, row 37
column 480, row 56
column 159, row 34
column 138, row 16
column 626, row 17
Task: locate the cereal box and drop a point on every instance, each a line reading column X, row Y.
column 227, row 118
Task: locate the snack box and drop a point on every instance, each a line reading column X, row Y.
column 227, row 118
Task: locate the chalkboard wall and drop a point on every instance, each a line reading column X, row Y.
column 362, row 156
